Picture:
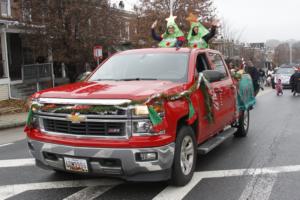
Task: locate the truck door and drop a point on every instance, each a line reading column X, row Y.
column 223, row 92
column 206, row 129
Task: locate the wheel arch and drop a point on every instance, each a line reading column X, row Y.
column 183, row 122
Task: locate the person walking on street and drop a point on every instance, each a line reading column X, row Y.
column 279, row 88
column 294, row 80
column 253, row 72
column 262, row 76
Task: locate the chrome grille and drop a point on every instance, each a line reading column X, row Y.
column 110, row 129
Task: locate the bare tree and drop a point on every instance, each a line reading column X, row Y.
column 150, row 10
column 70, row 28
column 281, row 55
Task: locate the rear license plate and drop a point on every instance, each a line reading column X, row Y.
column 76, row 165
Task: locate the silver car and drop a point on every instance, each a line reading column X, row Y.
column 284, row 73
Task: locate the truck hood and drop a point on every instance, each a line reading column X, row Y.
column 132, row 90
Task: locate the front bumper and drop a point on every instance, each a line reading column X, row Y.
column 108, row 161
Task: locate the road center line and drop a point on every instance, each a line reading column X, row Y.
column 11, row 190
column 259, row 188
column 175, row 193
column 17, row 162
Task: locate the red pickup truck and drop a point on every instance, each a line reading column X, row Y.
column 107, row 124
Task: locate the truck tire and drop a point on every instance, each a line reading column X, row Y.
column 243, row 124
column 185, row 157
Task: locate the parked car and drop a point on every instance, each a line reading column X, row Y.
column 284, row 73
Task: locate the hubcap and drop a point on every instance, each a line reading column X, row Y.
column 187, row 155
column 246, row 120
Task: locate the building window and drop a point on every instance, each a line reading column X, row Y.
column 127, row 30
column 26, row 11
column 5, row 8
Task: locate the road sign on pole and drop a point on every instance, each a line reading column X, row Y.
column 98, row 53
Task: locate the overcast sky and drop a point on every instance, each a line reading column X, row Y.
column 259, row 20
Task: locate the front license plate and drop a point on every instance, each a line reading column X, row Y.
column 76, row 165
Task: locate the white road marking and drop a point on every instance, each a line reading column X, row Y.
column 175, row 193
column 259, row 188
column 168, row 193
column 89, row 193
column 4, row 145
column 17, row 162
column 7, row 191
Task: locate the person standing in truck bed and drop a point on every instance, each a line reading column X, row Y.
column 199, row 36
column 173, row 37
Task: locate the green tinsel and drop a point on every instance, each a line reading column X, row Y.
column 148, row 101
column 154, row 117
column 208, row 104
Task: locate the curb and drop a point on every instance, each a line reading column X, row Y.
column 12, row 125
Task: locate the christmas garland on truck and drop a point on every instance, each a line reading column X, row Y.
column 245, row 100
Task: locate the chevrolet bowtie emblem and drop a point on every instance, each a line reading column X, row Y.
column 76, row 118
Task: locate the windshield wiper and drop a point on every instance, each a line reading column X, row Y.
column 104, row 79
column 137, row 79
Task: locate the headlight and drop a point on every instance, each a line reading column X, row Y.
column 144, row 128
column 142, row 110
column 142, row 125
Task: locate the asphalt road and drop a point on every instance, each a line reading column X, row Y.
column 264, row 165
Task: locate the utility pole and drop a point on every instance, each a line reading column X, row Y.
column 291, row 52
column 171, row 7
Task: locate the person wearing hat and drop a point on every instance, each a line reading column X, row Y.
column 199, row 36
column 173, row 37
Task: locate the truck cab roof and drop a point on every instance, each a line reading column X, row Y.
column 165, row 50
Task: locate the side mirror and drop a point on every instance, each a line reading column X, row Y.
column 213, row 75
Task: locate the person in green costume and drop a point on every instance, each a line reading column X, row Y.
column 173, row 37
column 199, row 36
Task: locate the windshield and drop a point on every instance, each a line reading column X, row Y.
column 286, row 70
column 144, row 66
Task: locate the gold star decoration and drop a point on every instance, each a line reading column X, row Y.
column 192, row 18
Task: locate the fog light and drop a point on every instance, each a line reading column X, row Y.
column 146, row 156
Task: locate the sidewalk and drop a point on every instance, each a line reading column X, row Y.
column 12, row 120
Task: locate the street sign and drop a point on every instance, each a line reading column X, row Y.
column 98, row 54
